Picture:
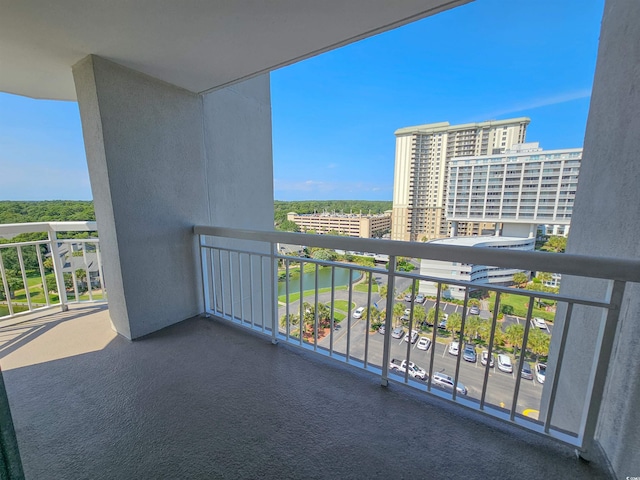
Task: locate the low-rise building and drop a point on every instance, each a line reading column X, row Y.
column 351, row 224
column 465, row 272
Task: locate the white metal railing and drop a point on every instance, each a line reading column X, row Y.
column 241, row 284
column 24, row 271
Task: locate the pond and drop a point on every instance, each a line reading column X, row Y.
column 324, row 280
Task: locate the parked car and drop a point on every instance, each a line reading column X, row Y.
column 443, row 322
column 400, row 366
column 526, row 371
column 484, row 358
column 407, row 312
column 541, row 371
column 358, row 312
column 408, row 297
column 446, row 382
column 382, row 329
column 454, row 347
column 504, row 363
column 413, row 337
column 469, row 353
column 540, row 323
column 420, row 298
column 474, row 310
column 424, row 343
column 397, row 332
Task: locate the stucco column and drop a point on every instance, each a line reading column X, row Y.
column 605, row 222
column 154, row 160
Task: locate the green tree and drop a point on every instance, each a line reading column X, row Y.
column 293, row 320
column 514, row 334
column 471, row 327
column 544, row 277
column 555, row 244
column 288, row 226
column 454, row 322
column 419, row 315
column 538, row 343
column 398, row 311
column 520, row 279
column 506, row 309
column 324, row 254
column 14, row 282
column 431, row 316
column 484, row 329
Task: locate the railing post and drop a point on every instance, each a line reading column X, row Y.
column 274, row 294
column 391, row 280
column 57, row 269
column 604, row 348
column 204, row 275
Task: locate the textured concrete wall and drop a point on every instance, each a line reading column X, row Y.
column 606, row 222
column 161, row 160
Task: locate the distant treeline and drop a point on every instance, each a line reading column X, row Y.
column 46, row 211
column 76, row 210
column 339, row 206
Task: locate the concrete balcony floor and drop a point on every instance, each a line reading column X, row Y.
column 204, row 399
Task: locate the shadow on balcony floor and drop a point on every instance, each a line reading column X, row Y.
column 204, row 399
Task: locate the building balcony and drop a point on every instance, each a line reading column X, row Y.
column 244, row 386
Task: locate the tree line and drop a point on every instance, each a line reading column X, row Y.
column 281, row 208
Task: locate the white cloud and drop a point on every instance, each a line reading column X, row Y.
column 540, row 102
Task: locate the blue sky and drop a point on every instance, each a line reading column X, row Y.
column 334, row 115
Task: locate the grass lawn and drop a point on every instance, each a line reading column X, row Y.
column 342, row 305
column 364, row 287
column 296, row 296
column 520, row 306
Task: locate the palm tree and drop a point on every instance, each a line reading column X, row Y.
column 514, row 334
column 538, row 343
column 431, row 316
column 520, row 279
column 419, row 314
column 454, row 322
column 398, row 311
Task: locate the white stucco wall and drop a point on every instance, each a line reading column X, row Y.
column 161, row 160
column 606, row 222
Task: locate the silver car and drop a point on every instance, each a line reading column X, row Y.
column 446, row 382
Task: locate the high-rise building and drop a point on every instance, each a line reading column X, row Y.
column 422, row 160
column 524, row 185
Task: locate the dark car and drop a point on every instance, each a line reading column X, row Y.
column 469, row 353
column 526, row 371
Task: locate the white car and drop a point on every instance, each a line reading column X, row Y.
column 420, row 298
column 454, row 348
column 424, row 343
column 504, row 363
column 413, row 337
column 540, row 323
column 485, row 357
column 407, row 311
column 541, row 372
column 358, row 312
column 446, row 382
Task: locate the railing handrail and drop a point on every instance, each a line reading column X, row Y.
column 623, row 269
column 35, row 227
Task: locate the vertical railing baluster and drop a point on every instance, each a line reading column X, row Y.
column 222, row 292
column 231, row 285
column 241, row 285
column 460, row 341
column 349, row 309
column 302, row 312
column 386, row 350
column 487, row 367
column 434, row 334
column 5, row 284
column 24, row 277
column 251, row 296
column 286, row 294
column 43, row 276
column 214, row 282
column 100, row 271
column 315, row 317
column 333, row 298
column 368, row 324
column 86, row 270
column 204, row 275
column 274, row 293
column 58, row 270
column 262, row 292
column 525, row 338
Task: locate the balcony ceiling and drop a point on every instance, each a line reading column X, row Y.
column 196, row 44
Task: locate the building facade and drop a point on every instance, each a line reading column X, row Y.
column 464, row 272
column 421, row 170
column 523, row 185
column 353, row 225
